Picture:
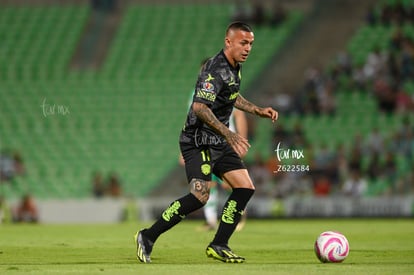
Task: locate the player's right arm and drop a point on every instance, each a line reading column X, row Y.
column 239, row 143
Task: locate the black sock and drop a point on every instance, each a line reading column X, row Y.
column 173, row 215
column 232, row 212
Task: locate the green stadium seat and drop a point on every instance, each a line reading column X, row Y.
column 123, row 117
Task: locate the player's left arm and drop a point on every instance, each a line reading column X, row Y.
column 245, row 105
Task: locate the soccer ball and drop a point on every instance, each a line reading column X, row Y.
column 331, row 247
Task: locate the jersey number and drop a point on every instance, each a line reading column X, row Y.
column 205, row 155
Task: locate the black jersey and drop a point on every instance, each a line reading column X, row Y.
column 217, row 86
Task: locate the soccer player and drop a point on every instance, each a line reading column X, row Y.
column 238, row 124
column 208, row 146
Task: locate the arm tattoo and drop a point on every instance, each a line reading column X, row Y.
column 245, row 105
column 206, row 115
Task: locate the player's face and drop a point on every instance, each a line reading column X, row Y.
column 238, row 45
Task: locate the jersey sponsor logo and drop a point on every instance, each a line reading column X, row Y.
column 210, row 96
column 233, row 96
column 171, row 211
column 229, row 212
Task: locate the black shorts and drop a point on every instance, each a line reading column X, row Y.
column 202, row 161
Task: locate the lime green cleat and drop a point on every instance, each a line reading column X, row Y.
column 223, row 253
column 144, row 247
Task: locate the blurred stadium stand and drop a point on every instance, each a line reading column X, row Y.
column 124, row 117
column 358, row 112
column 124, row 112
column 75, row 100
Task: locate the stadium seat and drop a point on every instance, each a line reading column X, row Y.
column 123, row 117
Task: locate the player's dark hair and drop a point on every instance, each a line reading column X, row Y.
column 238, row 26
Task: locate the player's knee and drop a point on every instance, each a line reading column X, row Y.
column 245, row 185
column 200, row 189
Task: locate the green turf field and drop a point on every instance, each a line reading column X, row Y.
column 270, row 247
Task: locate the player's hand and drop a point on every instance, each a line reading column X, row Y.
column 268, row 112
column 238, row 143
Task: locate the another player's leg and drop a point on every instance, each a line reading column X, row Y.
column 243, row 190
column 210, row 209
column 242, row 221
